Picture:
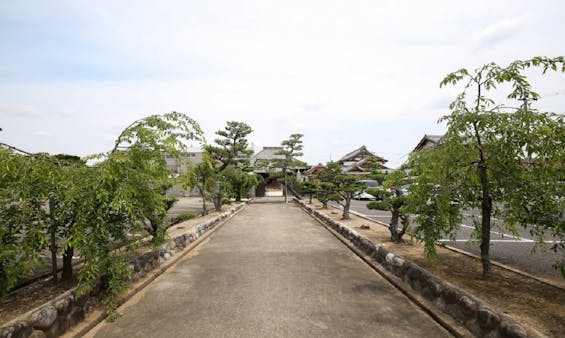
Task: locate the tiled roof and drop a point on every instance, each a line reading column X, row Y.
column 427, row 138
column 267, row 153
column 360, row 150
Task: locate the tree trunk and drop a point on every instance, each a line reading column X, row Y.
column 486, row 204
column 53, row 241
column 310, row 200
column 285, row 189
column 393, row 226
column 53, row 249
column 486, row 211
column 154, row 227
column 67, row 273
column 346, row 208
column 218, row 204
column 204, row 210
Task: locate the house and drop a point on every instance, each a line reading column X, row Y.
column 192, row 156
column 427, row 142
column 312, row 173
column 265, row 163
column 265, row 160
column 355, row 162
column 314, row 170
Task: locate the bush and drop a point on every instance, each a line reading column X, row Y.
column 185, row 216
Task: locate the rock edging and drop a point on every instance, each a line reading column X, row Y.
column 55, row 317
column 467, row 310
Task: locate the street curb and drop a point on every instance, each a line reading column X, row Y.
column 92, row 323
column 498, row 264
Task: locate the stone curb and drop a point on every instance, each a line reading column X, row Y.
column 500, row 265
column 466, row 310
column 59, row 315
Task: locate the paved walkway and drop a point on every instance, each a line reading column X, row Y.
column 271, row 272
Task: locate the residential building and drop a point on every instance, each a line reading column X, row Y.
column 427, row 142
column 192, row 156
column 355, row 162
column 264, row 163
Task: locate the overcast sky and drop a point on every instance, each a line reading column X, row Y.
column 73, row 74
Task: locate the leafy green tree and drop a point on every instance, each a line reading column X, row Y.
column 291, row 149
column 40, row 196
column 121, row 192
column 505, row 161
column 240, row 182
column 221, row 191
column 341, row 184
column 62, row 209
column 60, row 203
column 394, row 202
column 23, row 191
column 202, row 177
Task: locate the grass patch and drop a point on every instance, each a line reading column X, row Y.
column 185, row 216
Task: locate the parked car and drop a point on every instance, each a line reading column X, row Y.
column 373, row 186
column 361, row 195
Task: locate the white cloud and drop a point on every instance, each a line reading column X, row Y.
column 500, row 31
column 363, row 72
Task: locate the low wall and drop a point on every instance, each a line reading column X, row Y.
column 467, row 310
column 55, row 317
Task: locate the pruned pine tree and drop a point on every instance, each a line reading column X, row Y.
column 342, row 186
column 394, row 201
column 230, row 152
column 326, row 193
column 291, row 149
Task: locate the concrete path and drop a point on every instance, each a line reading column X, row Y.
column 271, row 271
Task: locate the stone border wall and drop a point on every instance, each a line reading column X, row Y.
column 58, row 315
column 467, row 310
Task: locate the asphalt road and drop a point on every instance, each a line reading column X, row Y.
column 271, row 271
column 506, row 249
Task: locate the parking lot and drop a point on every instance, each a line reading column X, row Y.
column 514, row 251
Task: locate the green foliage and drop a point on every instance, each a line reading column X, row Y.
column 374, row 166
column 202, row 176
column 232, row 148
column 326, row 193
column 394, row 201
column 96, row 209
column 291, row 149
column 240, row 182
column 310, row 189
column 23, row 191
column 229, row 161
column 184, row 216
column 505, row 161
column 124, row 191
column 340, row 186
